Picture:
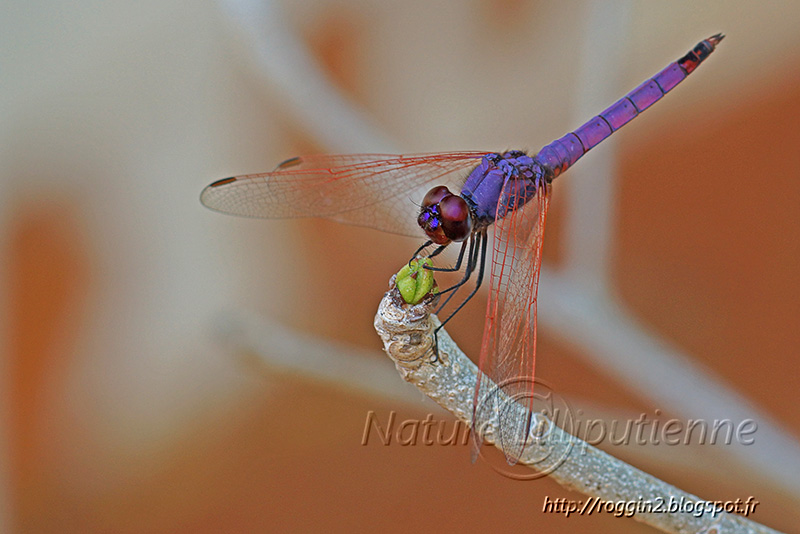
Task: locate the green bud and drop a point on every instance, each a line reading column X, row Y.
column 415, row 281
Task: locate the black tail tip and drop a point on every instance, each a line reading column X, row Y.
column 715, row 39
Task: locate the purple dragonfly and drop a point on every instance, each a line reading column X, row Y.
column 509, row 191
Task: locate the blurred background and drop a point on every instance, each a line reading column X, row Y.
column 144, row 388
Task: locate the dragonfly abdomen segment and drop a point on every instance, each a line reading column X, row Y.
column 562, row 153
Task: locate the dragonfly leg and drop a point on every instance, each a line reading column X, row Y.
column 482, row 245
column 438, row 251
column 472, row 258
column 457, row 266
column 425, row 245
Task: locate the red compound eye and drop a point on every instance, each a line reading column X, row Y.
column 455, row 217
column 444, row 217
column 435, row 195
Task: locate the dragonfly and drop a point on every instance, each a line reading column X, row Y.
column 508, row 192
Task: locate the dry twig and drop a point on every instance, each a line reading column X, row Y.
column 406, row 332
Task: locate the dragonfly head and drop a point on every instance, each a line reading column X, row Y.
column 444, row 217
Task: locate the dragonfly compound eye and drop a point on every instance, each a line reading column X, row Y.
column 456, row 220
column 435, row 195
column 445, row 217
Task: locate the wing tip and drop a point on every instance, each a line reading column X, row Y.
column 207, row 192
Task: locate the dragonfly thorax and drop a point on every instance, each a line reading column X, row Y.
column 444, row 217
column 502, row 183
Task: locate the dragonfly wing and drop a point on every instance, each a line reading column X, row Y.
column 504, row 392
column 375, row 190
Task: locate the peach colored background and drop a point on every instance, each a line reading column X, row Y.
column 122, row 414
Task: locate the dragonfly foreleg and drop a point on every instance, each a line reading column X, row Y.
column 457, row 266
column 425, row 245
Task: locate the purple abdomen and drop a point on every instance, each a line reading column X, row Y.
column 505, row 182
column 562, row 153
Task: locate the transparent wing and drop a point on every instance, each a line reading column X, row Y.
column 504, row 392
column 375, row 190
